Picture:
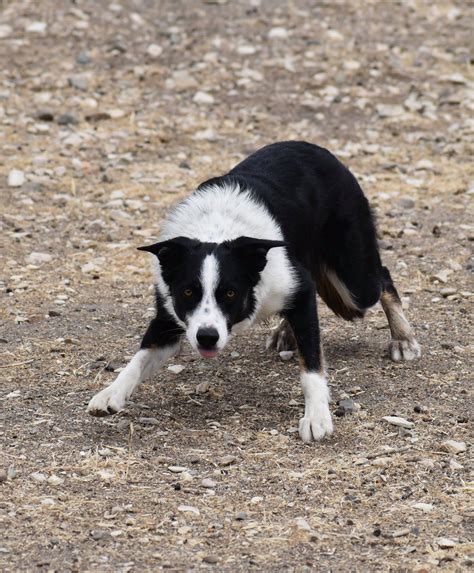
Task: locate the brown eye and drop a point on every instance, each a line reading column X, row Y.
column 230, row 294
column 188, row 292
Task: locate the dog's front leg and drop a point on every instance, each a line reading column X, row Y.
column 161, row 341
column 303, row 319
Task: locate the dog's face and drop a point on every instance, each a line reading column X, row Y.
column 211, row 286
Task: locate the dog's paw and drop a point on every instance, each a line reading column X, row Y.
column 404, row 350
column 281, row 338
column 105, row 403
column 317, row 424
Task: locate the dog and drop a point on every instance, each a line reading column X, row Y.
column 286, row 223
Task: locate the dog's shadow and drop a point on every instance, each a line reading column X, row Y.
column 255, row 389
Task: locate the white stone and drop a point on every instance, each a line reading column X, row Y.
column 38, row 258
column 208, row 483
column 154, row 51
column 55, row 480
column 203, row 98
column 426, row 507
column 177, row 469
column 397, row 421
column 351, row 65
column 277, row 33
column 246, row 50
column 5, row 31
column 189, row 509
column 302, row 524
column 176, row 368
column 442, row 276
column 388, row 110
column 453, row 447
column 16, row 178
column 335, row 35
column 286, row 355
column 205, row 135
column 445, row 542
column 38, row 477
column 116, row 113
column 36, row 27
column 454, row 465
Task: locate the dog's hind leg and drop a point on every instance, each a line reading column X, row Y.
column 281, row 337
column 161, row 341
column 403, row 345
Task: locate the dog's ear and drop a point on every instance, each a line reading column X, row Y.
column 253, row 251
column 172, row 251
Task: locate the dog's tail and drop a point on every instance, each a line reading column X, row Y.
column 336, row 294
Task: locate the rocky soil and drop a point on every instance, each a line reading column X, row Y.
column 110, row 112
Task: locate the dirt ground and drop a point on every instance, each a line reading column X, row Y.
column 110, row 112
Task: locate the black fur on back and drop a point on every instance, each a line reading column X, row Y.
column 323, row 213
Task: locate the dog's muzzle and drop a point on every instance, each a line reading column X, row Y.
column 207, row 339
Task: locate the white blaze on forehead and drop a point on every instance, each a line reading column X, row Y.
column 209, row 278
column 208, row 314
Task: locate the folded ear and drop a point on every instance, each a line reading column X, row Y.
column 171, row 251
column 253, row 251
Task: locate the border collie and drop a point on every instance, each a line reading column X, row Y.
column 286, row 223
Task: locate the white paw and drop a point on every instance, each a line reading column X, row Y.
column 404, row 350
column 106, row 402
column 317, row 424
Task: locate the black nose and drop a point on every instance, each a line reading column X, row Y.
column 207, row 337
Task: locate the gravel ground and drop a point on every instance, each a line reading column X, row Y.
column 109, row 112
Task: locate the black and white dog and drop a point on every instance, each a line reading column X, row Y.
column 288, row 222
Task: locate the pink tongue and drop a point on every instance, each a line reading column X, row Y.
column 208, row 353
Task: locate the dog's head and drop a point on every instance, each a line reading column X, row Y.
column 210, row 287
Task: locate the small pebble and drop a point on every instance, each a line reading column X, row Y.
column 154, row 51
column 346, row 406
column 286, row 355
column 203, row 98
column 302, row 524
column 208, row 483
column 177, row 469
column 277, row 33
column 445, row 542
column 189, row 509
column 202, row 387
column 426, row 507
column 227, row 460
column 397, row 421
column 38, row 477
column 38, row 258
column 176, row 368
column 453, row 447
column 98, row 534
column 16, row 178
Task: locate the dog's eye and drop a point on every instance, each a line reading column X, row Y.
column 230, row 293
column 187, row 292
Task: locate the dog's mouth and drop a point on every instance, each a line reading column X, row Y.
column 207, row 353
